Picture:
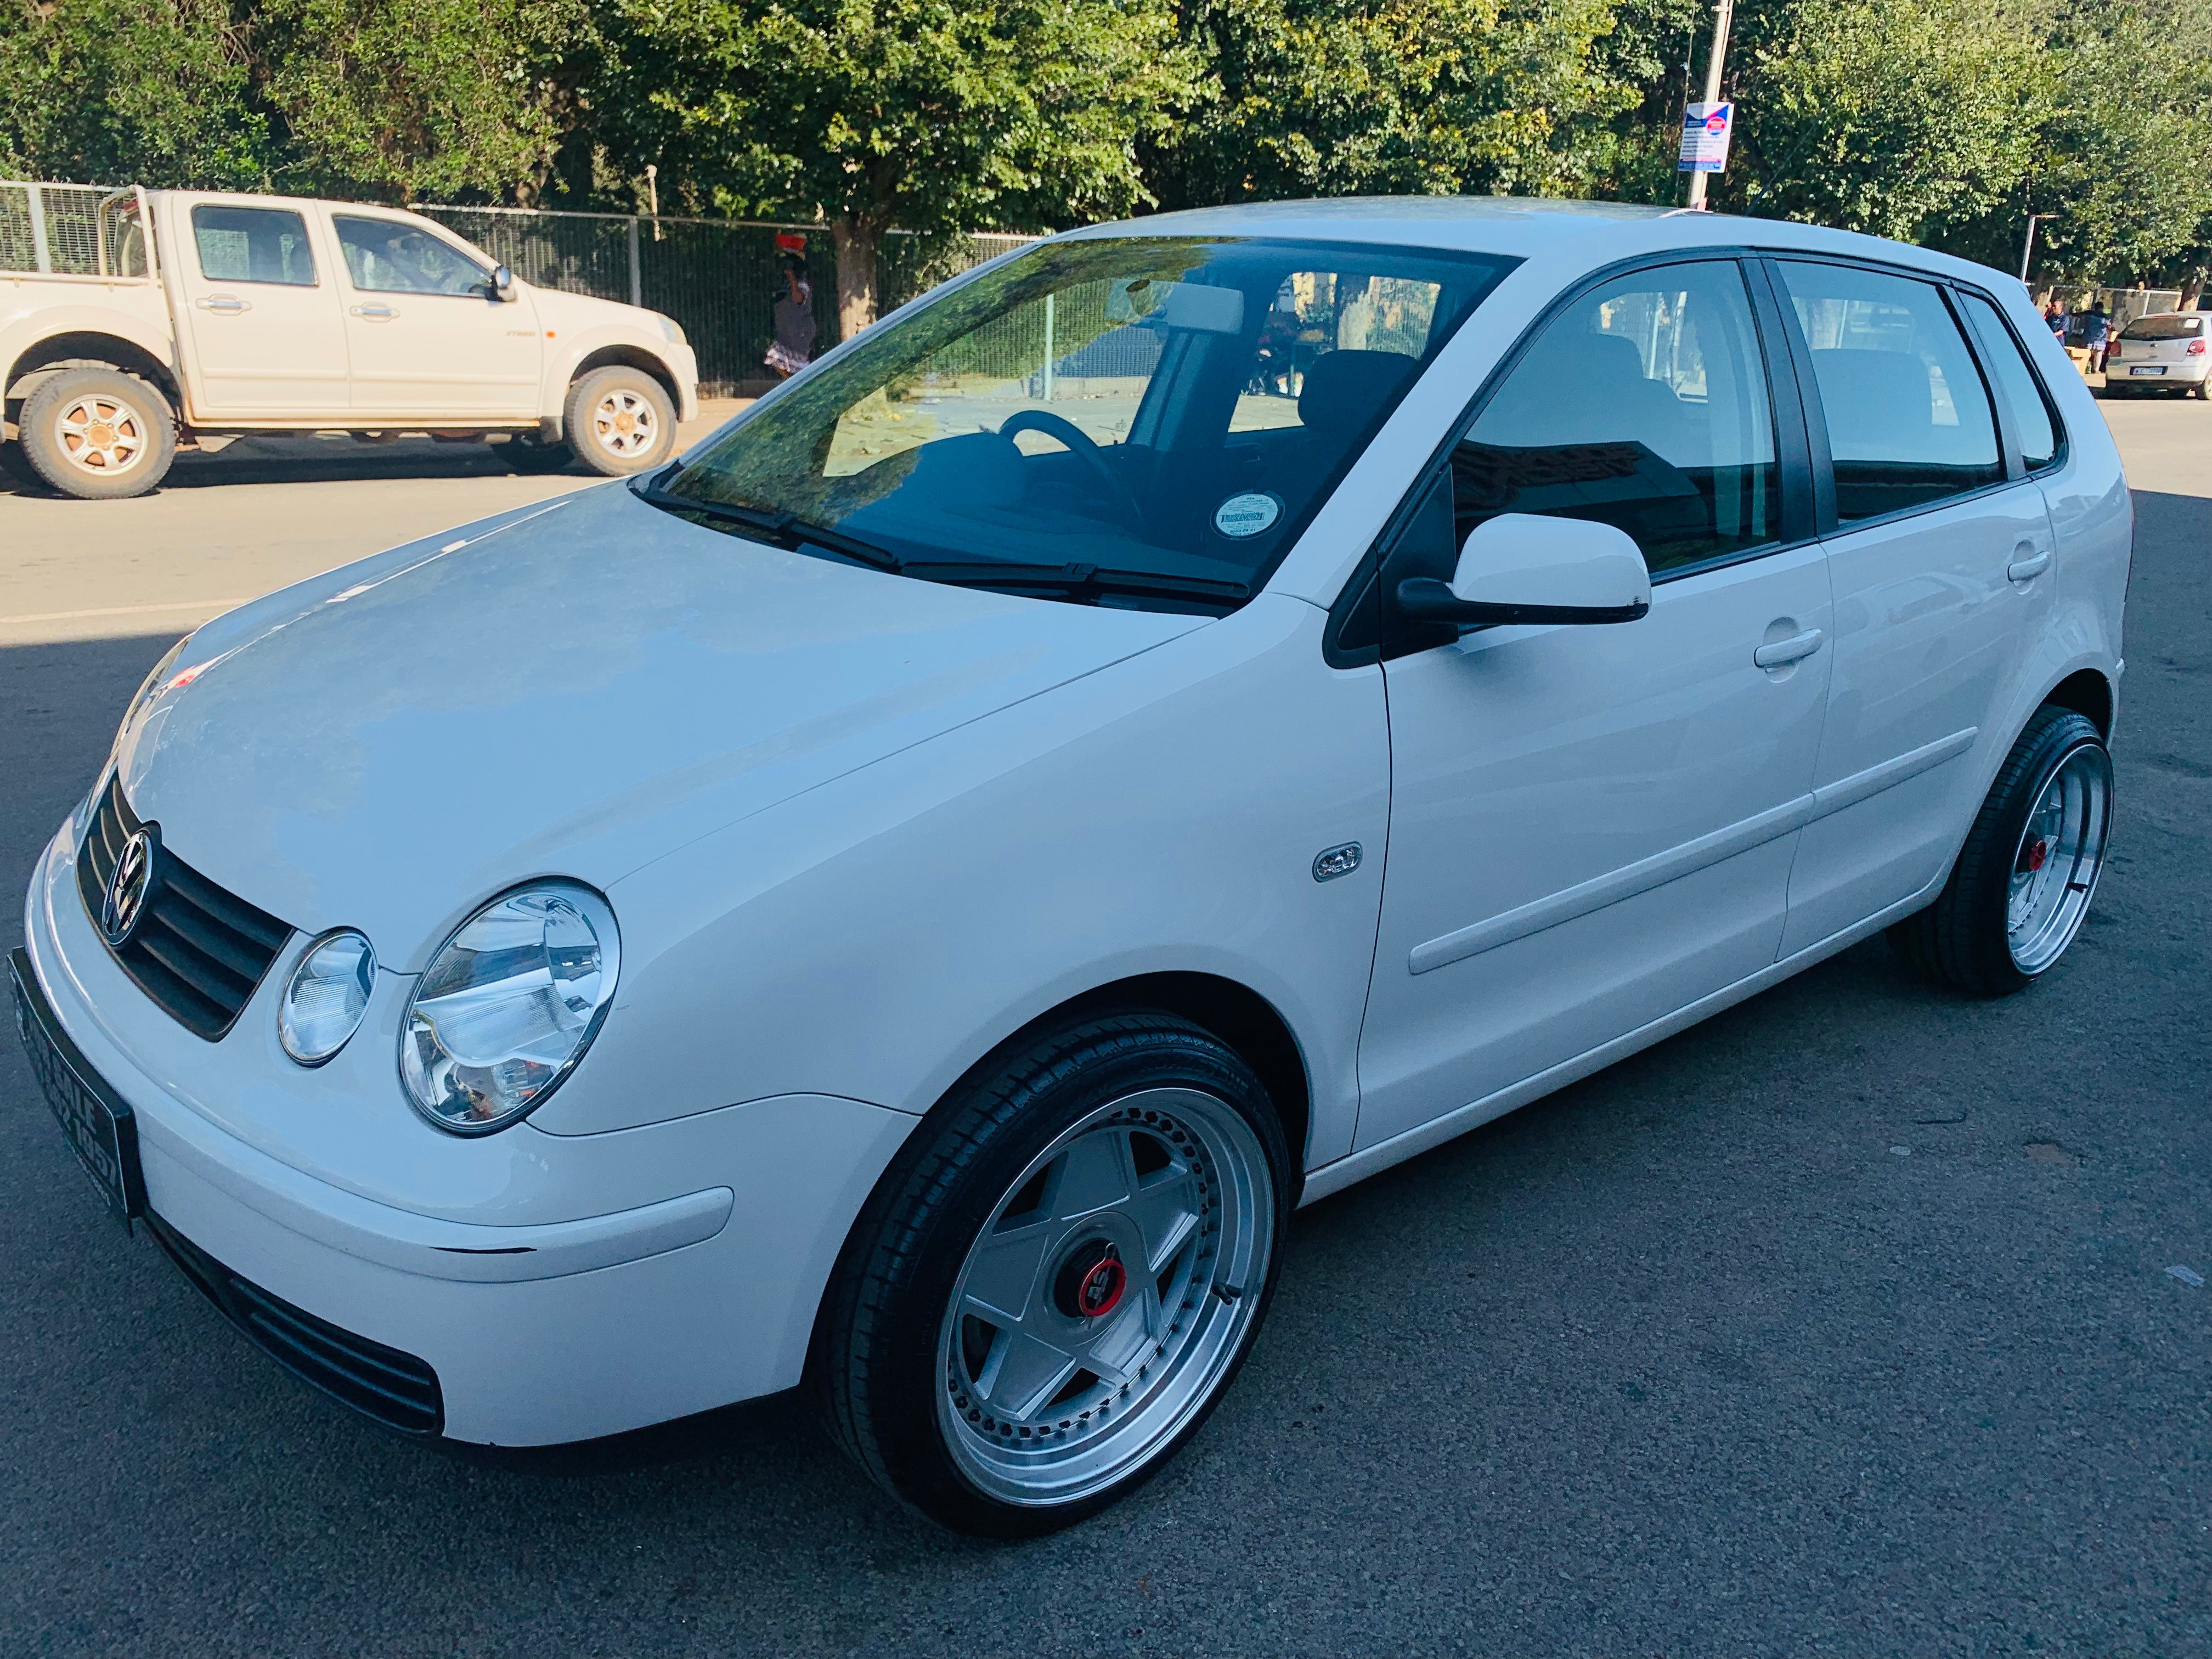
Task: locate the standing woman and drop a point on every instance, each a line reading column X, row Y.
column 793, row 348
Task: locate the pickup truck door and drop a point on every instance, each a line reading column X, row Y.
column 255, row 312
column 428, row 337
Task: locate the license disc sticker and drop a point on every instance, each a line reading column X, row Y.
column 1247, row 515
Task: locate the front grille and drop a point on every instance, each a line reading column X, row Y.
column 198, row 951
column 396, row 1388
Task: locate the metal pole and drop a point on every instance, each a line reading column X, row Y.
column 40, row 255
column 652, row 195
column 1048, row 347
column 2027, row 245
column 636, row 274
column 1723, row 14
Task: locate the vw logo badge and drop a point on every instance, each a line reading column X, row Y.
column 124, row 902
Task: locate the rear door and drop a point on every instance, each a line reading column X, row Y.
column 1939, row 552
column 257, row 312
column 429, row 339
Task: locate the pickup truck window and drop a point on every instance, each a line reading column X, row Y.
column 253, row 245
column 386, row 256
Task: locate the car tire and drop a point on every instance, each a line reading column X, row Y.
column 2028, row 869
column 1058, row 1276
column 620, row 421
column 98, row 434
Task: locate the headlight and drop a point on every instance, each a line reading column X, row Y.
column 670, row 330
column 325, row 997
column 508, row 1007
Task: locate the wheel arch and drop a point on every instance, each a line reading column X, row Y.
column 90, row 349
column 2087, row 693
column 628, row 356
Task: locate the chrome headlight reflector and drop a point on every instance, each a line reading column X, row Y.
column 508, row 1005
column 325, row 997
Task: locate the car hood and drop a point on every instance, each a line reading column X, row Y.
column 571, row 689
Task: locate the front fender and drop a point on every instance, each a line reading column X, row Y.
column 880, row 934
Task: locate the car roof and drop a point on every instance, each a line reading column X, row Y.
column 1528, row 226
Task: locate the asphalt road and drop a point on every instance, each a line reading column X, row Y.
column 1841, row 1324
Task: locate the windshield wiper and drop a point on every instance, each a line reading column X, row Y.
column 786, row 530
column 1092, row 578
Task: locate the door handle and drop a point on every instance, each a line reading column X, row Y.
column 2026, row 568
column 1782, row 653
column 227, row 304
column 374, row 311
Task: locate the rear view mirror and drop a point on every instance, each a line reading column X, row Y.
column 1518, row 567
column 1176, row 304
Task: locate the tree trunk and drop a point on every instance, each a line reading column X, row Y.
column 858, row 241
column 2192, row 292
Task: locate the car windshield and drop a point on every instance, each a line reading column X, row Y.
column 2167, row 325
column 1142, row 421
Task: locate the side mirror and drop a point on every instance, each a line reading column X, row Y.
column 1518, row 567
column 502, row 283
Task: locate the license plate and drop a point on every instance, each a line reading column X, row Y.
column 99, row 1127
column 2148, row 369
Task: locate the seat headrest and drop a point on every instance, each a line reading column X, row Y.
column 1343, row 391
column 1877, row 403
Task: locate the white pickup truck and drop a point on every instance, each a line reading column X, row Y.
column 135, row 321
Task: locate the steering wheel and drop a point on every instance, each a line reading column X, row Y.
column 1078, row 442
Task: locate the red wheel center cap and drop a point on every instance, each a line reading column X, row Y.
column 2038, row 851
column 1093, row 1286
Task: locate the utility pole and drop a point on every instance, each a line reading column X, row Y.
column 1723, row 14
column 2028, row 246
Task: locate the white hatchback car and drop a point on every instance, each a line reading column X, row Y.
column 2164, row 352
column 912, row 894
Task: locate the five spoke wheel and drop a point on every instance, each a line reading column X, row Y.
column 1103, row 1294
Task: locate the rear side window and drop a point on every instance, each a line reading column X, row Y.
column 2016, row 381
column 1908, row 424
column 253, row 245
column 1643, row 405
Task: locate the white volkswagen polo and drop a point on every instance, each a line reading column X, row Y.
column 910, row 895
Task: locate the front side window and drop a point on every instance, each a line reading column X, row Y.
column 1142, row 421
column 1909, row 422
column 388, row 255
column 2015, row 379
column 253, row 245
column 1642, row 405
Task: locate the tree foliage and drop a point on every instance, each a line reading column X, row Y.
column 926, row 114
column 1945, row 121
column 1386, row 97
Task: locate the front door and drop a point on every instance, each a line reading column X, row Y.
column 1592, row 826
column 259, row 312
column 429, row 339
column 1941, row 572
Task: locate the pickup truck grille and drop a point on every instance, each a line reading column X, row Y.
column 198, row 951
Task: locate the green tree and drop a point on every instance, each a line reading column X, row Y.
column 1892, row 117
column 156, row 91
column 435, row 98
column 1331, row 98
column 930, row 115
column 2124, row 164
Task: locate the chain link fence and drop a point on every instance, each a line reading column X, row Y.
column 719, row 278
column 70, row 230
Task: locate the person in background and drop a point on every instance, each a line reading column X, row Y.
column 792, row 349
column 2054, row 318
column 2097, row 334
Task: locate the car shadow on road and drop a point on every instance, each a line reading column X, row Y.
column 307, row 459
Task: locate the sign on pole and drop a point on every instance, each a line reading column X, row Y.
column 1705, row 129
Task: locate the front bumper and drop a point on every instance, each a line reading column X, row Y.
column 618, row 1314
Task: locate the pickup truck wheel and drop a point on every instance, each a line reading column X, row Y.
column 98, row 435
column 620, row 421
